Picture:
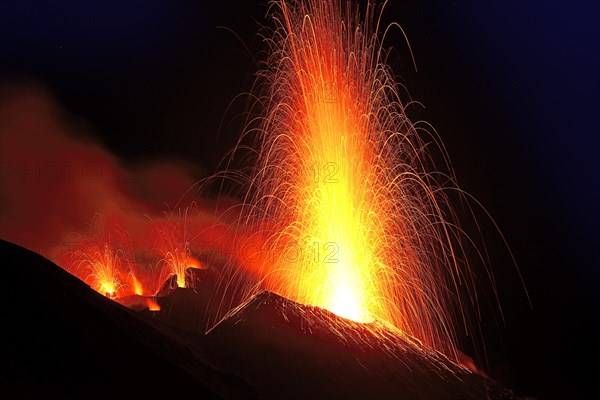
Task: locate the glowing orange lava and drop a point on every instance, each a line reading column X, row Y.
column 174, row 239
column 99, row 266
column 104, row 260
column 137, row 285
column 152, row 305
column 344, row 207
column 359, row 224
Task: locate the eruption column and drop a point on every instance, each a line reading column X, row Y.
column 344, row 182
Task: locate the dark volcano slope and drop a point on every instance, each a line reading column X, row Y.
column 61, row 339
column 199, row 306
column 293, row 351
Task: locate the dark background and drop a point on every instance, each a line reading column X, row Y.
column 511, row 88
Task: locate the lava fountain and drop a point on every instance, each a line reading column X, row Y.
column 174, row 248
column 104, row 260
column 358, row 217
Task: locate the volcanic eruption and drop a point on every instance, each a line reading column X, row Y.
column 359, row 219
column 342, row 247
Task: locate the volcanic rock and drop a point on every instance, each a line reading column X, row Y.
column 60, row 338
column 294, row 351
column 200, row 305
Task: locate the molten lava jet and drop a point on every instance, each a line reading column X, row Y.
column 343, row 208
column 359, row 221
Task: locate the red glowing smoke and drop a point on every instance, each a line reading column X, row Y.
column 67, row 197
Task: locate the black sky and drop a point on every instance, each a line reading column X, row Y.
column 512, row 89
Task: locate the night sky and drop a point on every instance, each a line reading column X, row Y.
column 511, row 88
